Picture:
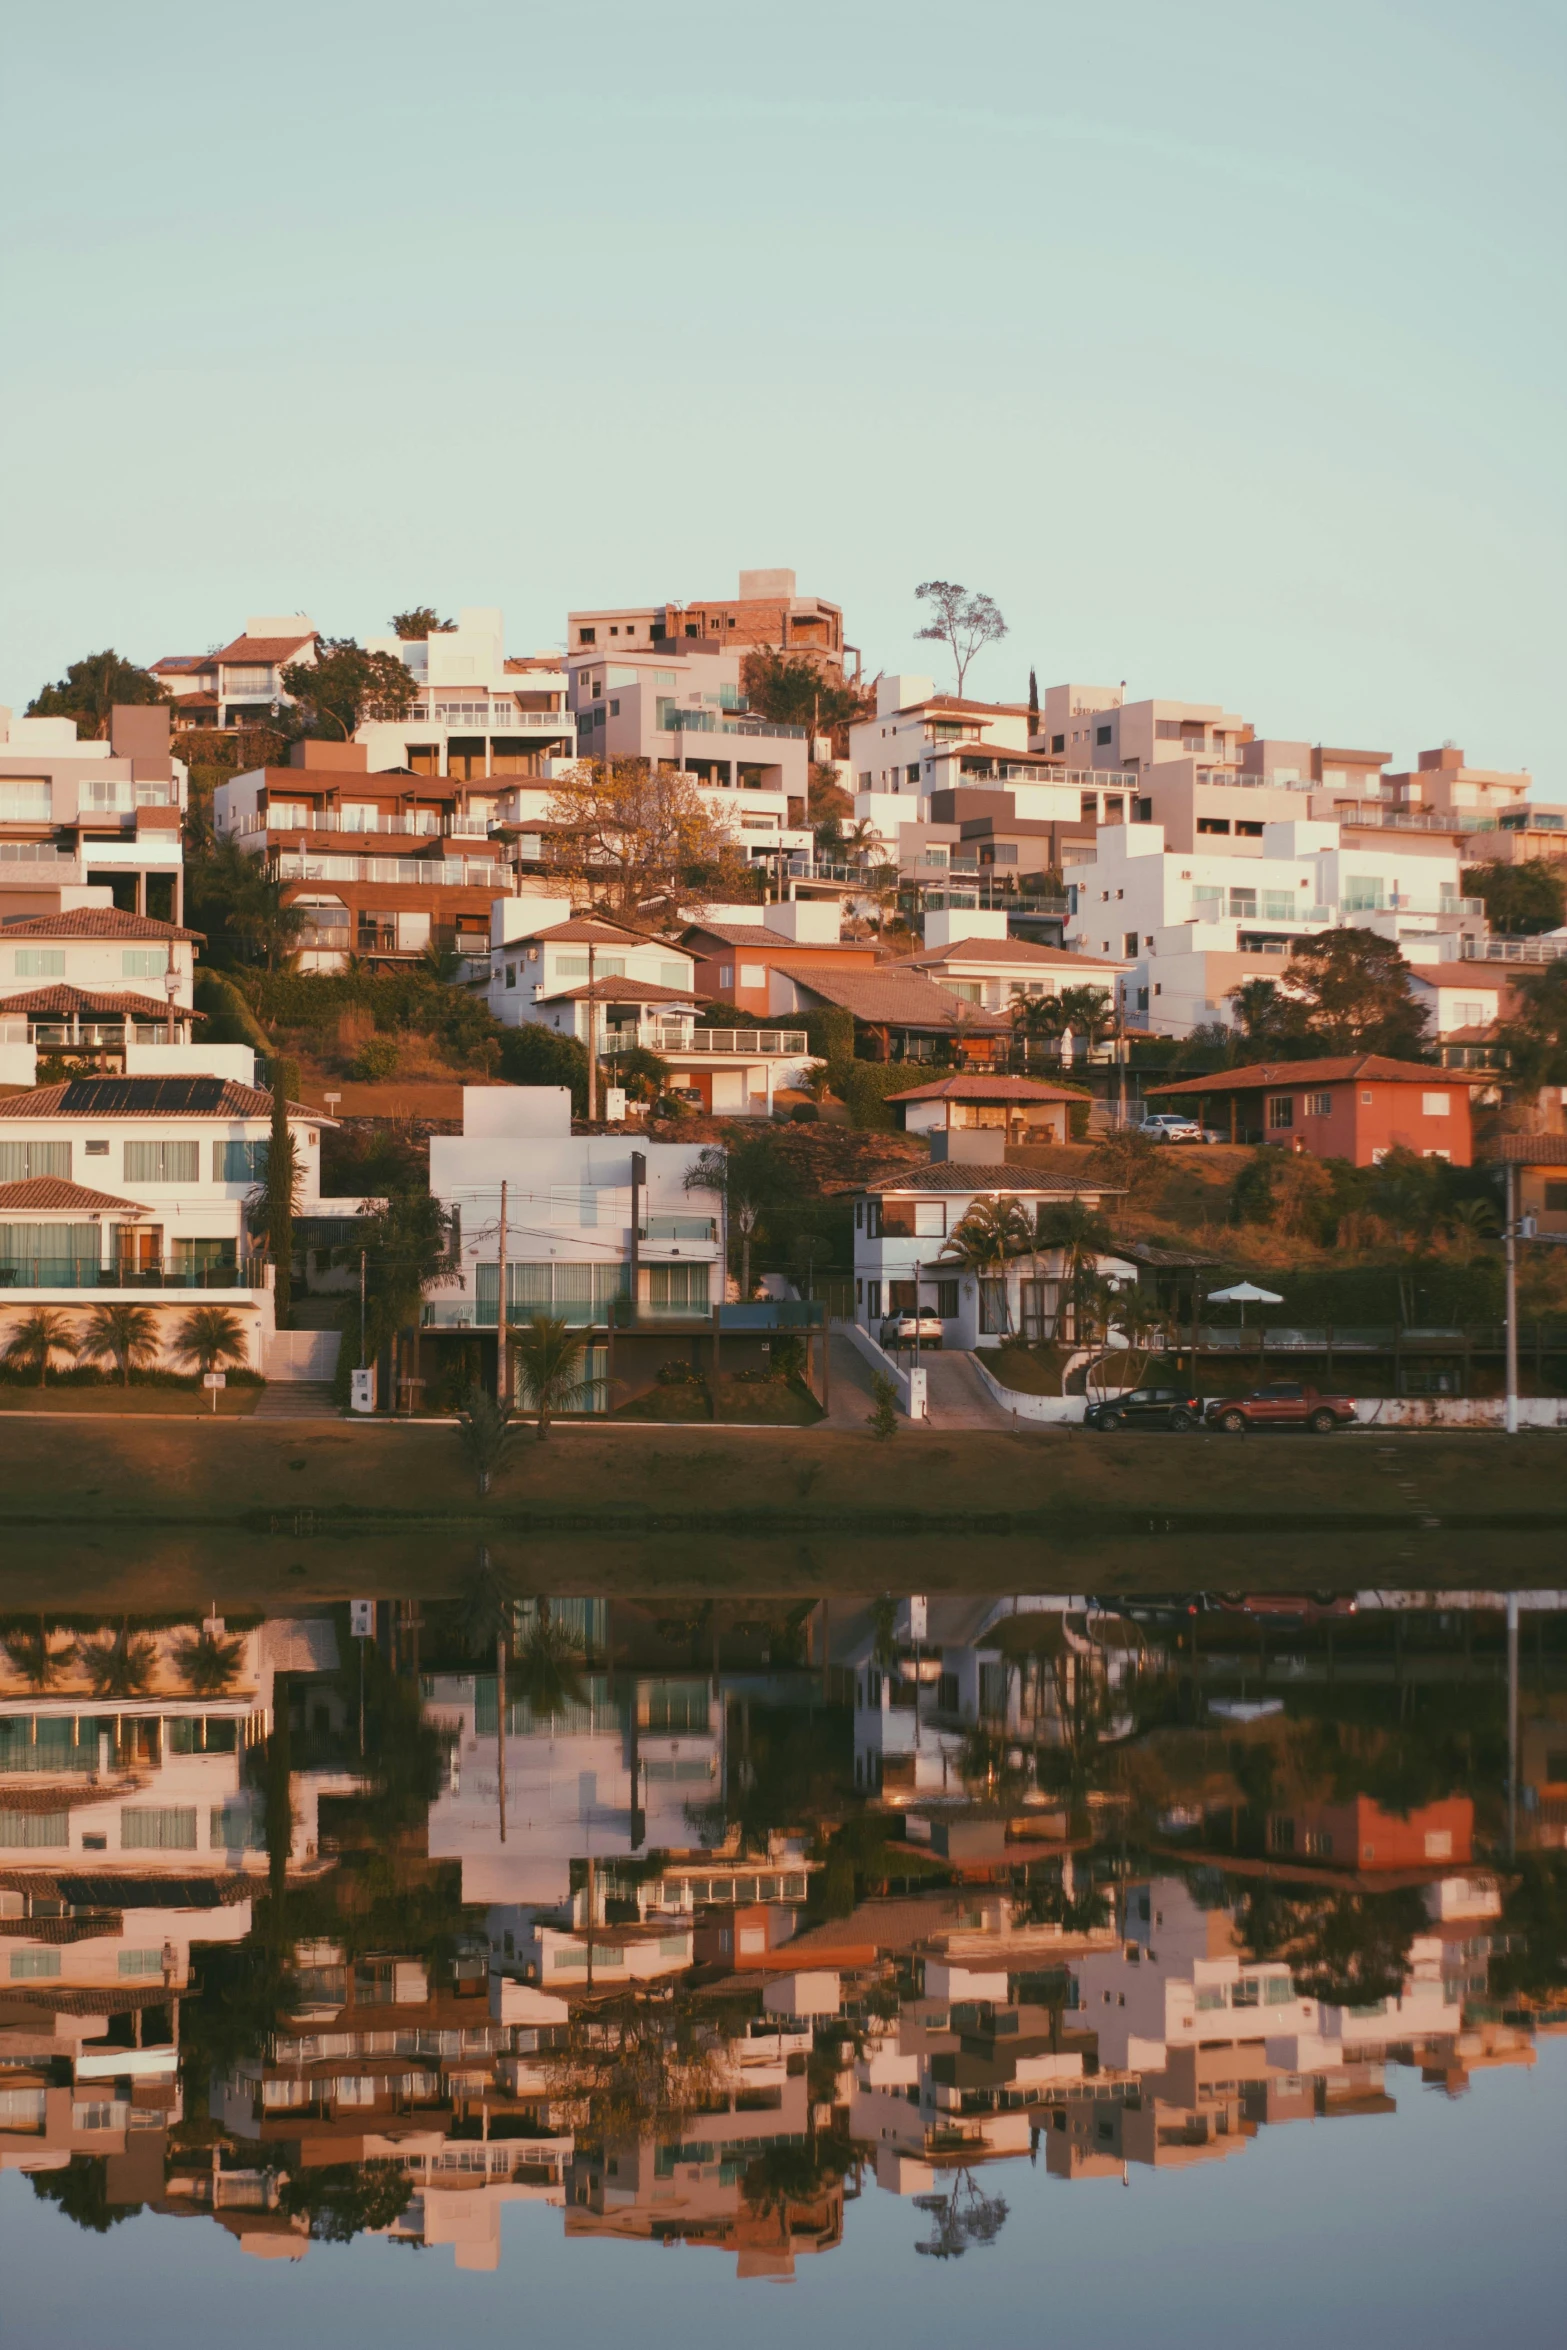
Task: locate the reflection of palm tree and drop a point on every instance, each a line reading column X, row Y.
column 642, row 2061
column 40, row 1665
column 207, row 1662
column 121, row 1664
column 963, row 2217
column 549, row 1665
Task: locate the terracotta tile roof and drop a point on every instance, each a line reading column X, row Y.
column 1527, row 1150
column 181, row 664
column 52, row 1195
column 976, row 1087
column 220, row 1097
column 581, row 929
column 263, row 648
column 116, row 1004
column 979, row 1176
column 620, row 991
column 740, row 934
column 1367, row 1068
column 1015, row 950
column 897, row 997
column 94, row 922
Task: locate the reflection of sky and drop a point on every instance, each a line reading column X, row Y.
column 1438, row 2225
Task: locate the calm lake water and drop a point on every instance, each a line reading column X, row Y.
column 1161, row 1967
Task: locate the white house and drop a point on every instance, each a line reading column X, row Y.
column 93, row 979
column 137, row 1187
column 903, row 1221
column 91, row 823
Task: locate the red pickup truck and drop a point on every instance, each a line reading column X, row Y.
column 1284, row 1404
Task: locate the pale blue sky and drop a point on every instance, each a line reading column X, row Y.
column 1222, row 343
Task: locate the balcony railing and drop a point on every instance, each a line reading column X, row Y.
column 703, row 1228
column 378, row 820
column 74, row 1273
column 410, row 872
column 490, row 717
column 1512, row 950
column 992, row 899
column 34, row 852
column 1376, row 818
column 714, row 722
column 771, row 1041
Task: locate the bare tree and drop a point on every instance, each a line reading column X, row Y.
column 964, row 623
column 629, row 833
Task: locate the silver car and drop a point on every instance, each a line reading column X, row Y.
column 905, row 1329
column 1165, row 1126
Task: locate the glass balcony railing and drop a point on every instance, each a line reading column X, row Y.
column 77, row 1273
column 702, row 1228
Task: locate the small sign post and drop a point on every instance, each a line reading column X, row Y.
column 214, row 1380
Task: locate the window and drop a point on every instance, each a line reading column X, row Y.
column 678, row 1289
column 947, row 1300
column 234, row 1827
column 1210, row 1996
column 1556, row 1205
column 1434, row 1105
column 1058, row 742
column 97, row 1147
column 37, row 1830
column 40, row 962
column 1207, row 902
column 34, row 1965
column 141, row 1962
column 1365, row 1097
column 873, row 1301
column 930, row 1219
column 1101, row 735
column 1363, row 894
column 1129, row 944
column 1247, row 1992
column 235, row 1162
column 1281, row 1110
column 673, row 975
column 1319, row 1105
column 248, row 677
column 144, row 963
column 1246, row 830
column 1243, row 902
column 587, row 636
column 26, row 799
column 1278, row 905
column 753, row 975
column 992, row 1306
column 21, row 1161
column 162, row 1162
column 1277, row 1991
column 172, row 1829
column 1213, row 824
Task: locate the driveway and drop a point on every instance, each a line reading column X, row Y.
column 954, row 1391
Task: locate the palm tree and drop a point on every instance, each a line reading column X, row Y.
column 485, row 1611
column 485, row 1427
column 549, row 1357
column 40, row 1335
column 211, row 1336
column 207, row 1662
column 1470, row 1222
column 1037, row 1019
column 120, row 1664
column 126, row 1333
column 39, row 1664
column 992, row 1233
column 549, row 1668
column 1081, row 1235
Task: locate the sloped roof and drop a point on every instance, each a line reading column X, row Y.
column 1013, row 950
column 149, row 1097
column 582, row 929
column 741, row 934
column 620, row 991
column 1527, row 1150
column 976, row 1087
column 980, row 1176
column 1367, row 1068
column 52, row 1195
column 115, row 1003
column 263, row 648
column 94, row 922
column 897, row 997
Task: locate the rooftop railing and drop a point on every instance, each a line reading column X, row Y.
column 75, row 1273
column 411, row 872
column 715, row 722
column 1512, row 950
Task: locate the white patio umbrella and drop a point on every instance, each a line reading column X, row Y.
column 1244, row 1294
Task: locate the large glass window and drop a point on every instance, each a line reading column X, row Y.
column 580, row 1294
column 162, row 1161
column 143, row 963
column 26, row 799
column 45, row 1255
column 34, row 1965
column 678, row 1290
column 239, row 1162
column 21, row 1161
column 171, row 1828
column 1278, row 905
column 1363, row 894
column 37, row 1831
column 40, row 962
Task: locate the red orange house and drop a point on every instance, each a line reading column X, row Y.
column 1361, row 1835
column 1358, row 1107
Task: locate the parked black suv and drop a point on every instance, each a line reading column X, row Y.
column 1145, row 1407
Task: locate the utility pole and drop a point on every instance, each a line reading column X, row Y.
column 593, row 1052
column 1510, row 1237
column 1512, row 1722
column 502, row 1367
column 500, row 1723
column 362, row 1363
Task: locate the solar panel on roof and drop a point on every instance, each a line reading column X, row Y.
column 103, row 1096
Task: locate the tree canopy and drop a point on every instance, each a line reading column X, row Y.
column 1521, row 900
column 421, row 621
column 1343, row 991
column 631, row 834
column 345, row 686
column 89, row 690
column 964, row 623
column 793, row 690
column 1535, row 1038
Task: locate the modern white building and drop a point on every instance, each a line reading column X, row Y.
column 480, row 714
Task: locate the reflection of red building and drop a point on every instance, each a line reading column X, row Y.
column 1361, row 1835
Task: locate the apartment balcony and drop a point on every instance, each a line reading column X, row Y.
column 487, row 717
column 992, row 898
column 1512, row 950
column 748, row 1044
column 425, row 825
column 718, row 722
column 1373, row 816
column 407, row 872
column 70, row 1273
column 42, row 862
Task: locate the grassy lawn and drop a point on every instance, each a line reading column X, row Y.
column 180, row 1403
column 740, row 1404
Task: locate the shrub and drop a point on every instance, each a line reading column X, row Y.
column 678, row 1374
column 883, row 1420
column 535, row 1055
column 375, row 1059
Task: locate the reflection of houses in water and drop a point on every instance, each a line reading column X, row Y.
column 153, row 1779
column 932, row 1673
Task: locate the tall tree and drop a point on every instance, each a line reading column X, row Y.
column 422, row 621
column 793, row 690
column 1535, row 1038
column 239, row 906
column 1343, row 991
column 1521, row 900
column 964, row 623
column 750, row 1179
column 548, row 1355
column 280, row 1190
column 89, row 690
column 345, row 686
column 124, row 1333
column 628, row 833
column 1033, row 703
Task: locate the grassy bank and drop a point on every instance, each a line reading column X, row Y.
column 150, row 1513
